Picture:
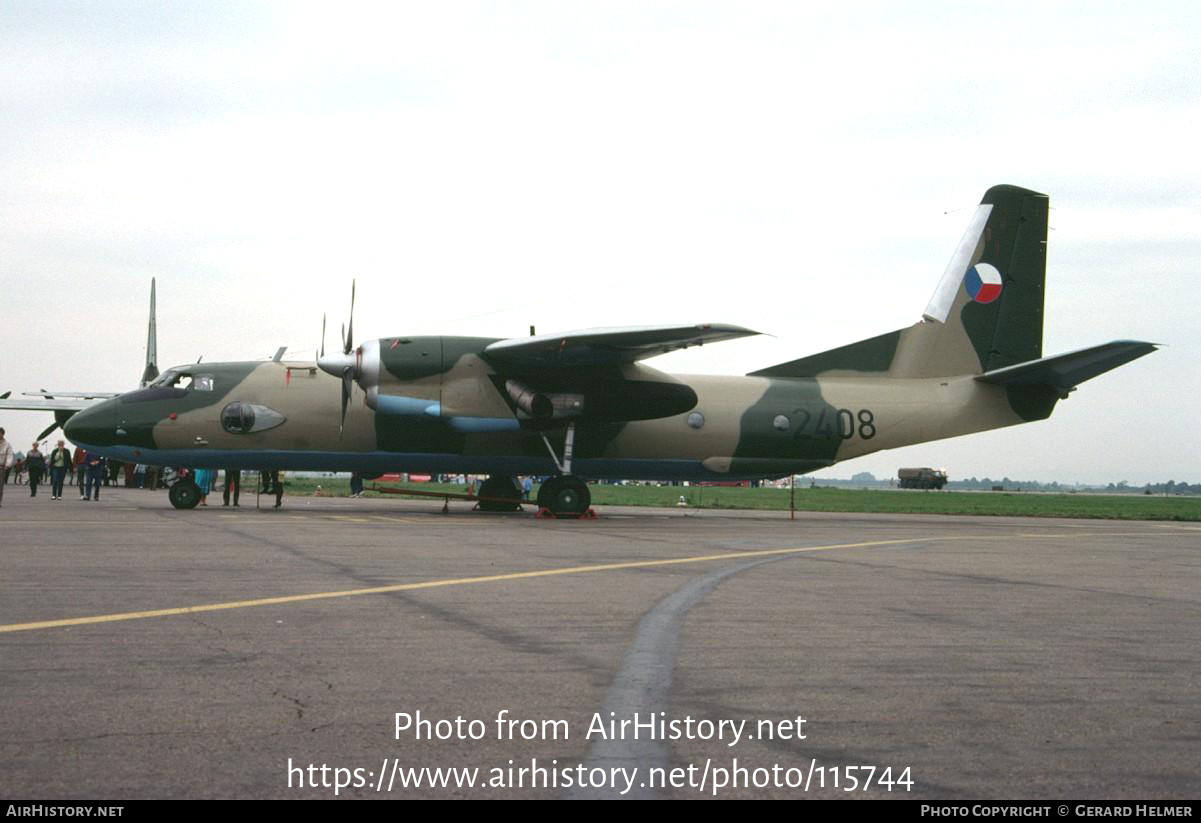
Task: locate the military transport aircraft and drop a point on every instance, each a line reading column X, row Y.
column 64, row 404
column 582, row 404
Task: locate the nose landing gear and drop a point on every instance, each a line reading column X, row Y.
column 184, row 494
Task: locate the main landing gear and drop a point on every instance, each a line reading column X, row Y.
column 499, row 494
column 564, row 495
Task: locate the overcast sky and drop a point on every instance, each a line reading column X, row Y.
column 802, row 169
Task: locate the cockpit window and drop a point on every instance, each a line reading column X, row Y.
column 166, row 379
column 174, row 379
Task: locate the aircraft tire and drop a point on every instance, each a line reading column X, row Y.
column 184, row 494
column 503, row 488
column 565, row 496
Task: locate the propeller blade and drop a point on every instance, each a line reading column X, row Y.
column 347, row 382
column 61, row 416
column 350, row 327
column 322, row 335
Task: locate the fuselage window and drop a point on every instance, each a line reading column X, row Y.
column 203, row 382
column 237, row 418
column 696, row 420
column 781, row 423
column 241, row 417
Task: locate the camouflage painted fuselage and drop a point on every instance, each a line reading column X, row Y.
column 726, row 427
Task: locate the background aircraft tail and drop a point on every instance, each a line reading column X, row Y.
column 151, row 370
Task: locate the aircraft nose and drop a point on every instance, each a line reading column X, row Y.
column 91, row 427
column 78, row 426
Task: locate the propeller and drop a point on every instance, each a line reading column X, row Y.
column 61, row 416
column 342, row 366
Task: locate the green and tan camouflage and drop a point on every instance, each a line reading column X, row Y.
column 584, row 404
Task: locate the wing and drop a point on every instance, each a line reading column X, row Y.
column 606, row 347
column 54, row 401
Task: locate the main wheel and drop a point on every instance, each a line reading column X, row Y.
column 565, row 496
column 184, row 494
column 502, row 493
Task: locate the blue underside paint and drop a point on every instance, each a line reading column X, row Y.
column 384, row 462
column 400, row 406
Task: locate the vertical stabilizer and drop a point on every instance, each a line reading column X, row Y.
column 986, row 313
column 151, row 370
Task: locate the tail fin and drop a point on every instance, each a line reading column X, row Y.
column 151, row 370
column 993, row 287
column 986, row 314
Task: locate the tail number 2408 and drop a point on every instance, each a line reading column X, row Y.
column 829, row 424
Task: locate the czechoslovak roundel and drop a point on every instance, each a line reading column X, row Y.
column 983, row 283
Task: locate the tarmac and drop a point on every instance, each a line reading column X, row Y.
column 147, row 652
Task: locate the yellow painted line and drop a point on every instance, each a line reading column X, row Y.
column 1078, row 535
column 461, row 581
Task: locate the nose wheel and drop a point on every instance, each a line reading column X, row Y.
column 184, row 494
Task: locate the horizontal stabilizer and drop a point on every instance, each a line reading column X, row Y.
column 1063, row 371
column 606, row 347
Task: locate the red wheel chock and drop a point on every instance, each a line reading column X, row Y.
column 546, row 514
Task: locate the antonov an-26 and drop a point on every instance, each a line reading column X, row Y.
column 583, row 404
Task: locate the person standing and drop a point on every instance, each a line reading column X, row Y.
column 94, row 466
column 60, row 464
column 6, row 461
column 232, row 477
column 273, row 480
column 81, row 468
column 35, row 464
column 203, row 478
column 356, row 484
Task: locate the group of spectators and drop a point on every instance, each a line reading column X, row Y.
column 90, row 471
